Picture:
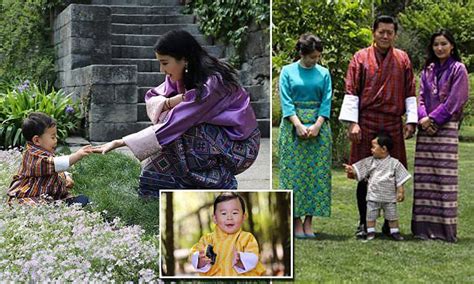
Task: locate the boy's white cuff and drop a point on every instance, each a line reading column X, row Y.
column 249, row 260
column 61, row 163
column 350, row 109
column 411, row 110
column 356, row 172
column 195, row 260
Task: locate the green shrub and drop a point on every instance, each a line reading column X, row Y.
column 17, row 102
column 424, row 17
column 230, row 20
column 26, row 50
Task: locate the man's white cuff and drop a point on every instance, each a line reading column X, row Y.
column 412, row 112
column 350, row 109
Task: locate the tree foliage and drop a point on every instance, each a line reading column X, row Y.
column 344, row 28
column 26, row 51
column 424, row 17
column 230, row 20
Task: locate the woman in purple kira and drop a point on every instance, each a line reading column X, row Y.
column 444, row 91
column 204, row 130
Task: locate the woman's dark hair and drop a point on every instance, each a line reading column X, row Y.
column 226, row 196
column 386, row 20
column 36, row 124
column 385, row 140
column 180, row 44
column 308, row 43
column 432, row 56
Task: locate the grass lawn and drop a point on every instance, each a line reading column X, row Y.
column 336, row 255
column 110, row 181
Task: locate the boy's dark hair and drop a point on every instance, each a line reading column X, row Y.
column 36, row 124
column 385, row 19
column 226, row 196
column 384, row 139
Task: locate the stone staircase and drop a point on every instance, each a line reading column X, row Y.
column 134, row 27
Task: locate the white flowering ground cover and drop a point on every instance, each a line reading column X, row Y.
column 60, row 243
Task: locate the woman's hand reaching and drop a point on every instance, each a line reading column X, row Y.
column 107, row 147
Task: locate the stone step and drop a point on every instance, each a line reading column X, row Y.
column 158, row 29
column 152, row 19
column 264, row 126
column 257, row 92
column 149, row 40
column 261, row 109
column 136, row 2
column 143, row 65
column 141, row 93
column 147, row 52
column 141, row 112
column 150, row 78
column 147, row 10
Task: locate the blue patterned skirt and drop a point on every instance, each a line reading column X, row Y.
column 203, row 157
column 305, row 164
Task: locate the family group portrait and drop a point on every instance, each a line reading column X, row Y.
column 154, row 141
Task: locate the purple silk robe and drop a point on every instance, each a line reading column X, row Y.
column 443, row 98
column 219, row 106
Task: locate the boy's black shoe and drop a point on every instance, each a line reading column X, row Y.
column 397, row 237
column 370, row 236
column 360, row 232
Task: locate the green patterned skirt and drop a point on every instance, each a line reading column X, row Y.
column 305, row 164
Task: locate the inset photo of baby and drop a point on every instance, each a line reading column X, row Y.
column 226, row 234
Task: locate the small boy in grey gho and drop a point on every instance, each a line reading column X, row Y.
column 386, row 177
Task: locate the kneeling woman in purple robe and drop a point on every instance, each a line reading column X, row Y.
column 204, row 130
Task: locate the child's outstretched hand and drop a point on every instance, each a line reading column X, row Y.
column 349, row 171
column 84, row 151
column 203, row 259
column 236, row 260
column 81, row 153
column 400, row 194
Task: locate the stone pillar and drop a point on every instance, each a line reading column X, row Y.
column 81, row 37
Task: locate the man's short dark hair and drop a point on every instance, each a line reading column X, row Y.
column 226, row 196
column 385, row 19
column 36, row 124
column 385, row 140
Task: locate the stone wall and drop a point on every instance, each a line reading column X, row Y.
column 109, row 91
column 255, row 74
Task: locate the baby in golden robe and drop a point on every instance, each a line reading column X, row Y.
column 234, row 252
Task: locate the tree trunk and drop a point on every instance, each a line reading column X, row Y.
column 247, row 199
column 283, row 201
column 169, row 240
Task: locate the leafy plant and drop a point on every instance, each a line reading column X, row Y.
column 230, row 20
column 25, row 40
column 424, row 17
column 17, row 102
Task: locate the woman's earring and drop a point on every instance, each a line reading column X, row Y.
column 186, row 68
